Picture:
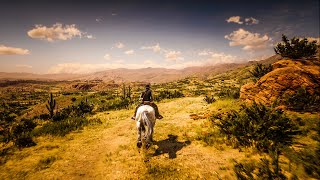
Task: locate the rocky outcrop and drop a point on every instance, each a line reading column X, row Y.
column 286, row 78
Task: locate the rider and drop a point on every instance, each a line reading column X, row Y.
column 146, row 98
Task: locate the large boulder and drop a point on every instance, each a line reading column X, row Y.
column 287, row 77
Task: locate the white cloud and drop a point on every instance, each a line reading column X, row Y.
column 217, row 57
column 57, row 32
column 89, row 37
column 172, row 55
column 251, row 20
column 129, row 52
column 119, row 45
column 249, row 41
column 156, row 48
column 107, row 56
column 204, row 53
column 235, row 19
column 99, row 19
column 23, row 66
column 5, row 50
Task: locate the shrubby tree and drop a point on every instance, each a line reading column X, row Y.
column 260, row 70
column 266, row 128
column 296, row 48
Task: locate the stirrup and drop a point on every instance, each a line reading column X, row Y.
column 133, row 118
column 159, row 117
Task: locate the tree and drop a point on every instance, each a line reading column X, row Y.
column 51, row 105
column 260, row 70
column 296, row 48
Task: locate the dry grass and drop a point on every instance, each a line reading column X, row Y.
column 108, row 151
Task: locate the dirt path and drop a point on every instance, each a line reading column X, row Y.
column 108, row 151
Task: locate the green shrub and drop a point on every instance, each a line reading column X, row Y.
column 258, row 125
column 63, row 127
column 209, row 100
column 265, row 128
column 260, row 70
column 19, row 133
column 85, row 107
column 296, row 48
column 115, row 104
column 229, row 92
column 302, row 100
column 166, row 94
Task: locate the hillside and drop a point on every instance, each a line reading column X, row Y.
column 108, row 151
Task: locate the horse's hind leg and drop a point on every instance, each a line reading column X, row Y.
column 139, row 129
column 149, row 136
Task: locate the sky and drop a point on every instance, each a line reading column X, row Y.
column 41, row 36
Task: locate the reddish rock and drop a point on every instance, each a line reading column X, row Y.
column 285, row 79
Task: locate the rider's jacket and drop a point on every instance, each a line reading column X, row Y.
column 146, row 95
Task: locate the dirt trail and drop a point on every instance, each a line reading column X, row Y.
column 108, row 151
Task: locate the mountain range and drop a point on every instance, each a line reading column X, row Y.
column 155, row 75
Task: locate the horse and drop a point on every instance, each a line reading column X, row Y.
column 145, row 116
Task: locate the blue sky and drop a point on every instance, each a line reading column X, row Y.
column 87, row 36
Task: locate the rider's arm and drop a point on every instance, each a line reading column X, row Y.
column 151, row 97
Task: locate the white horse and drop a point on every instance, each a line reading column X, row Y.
column 145, row 116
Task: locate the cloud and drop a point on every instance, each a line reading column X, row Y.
column 99, row 19
column 249, row 41
column 235, row 19
column 129, row 52
column 107, row 56
column 57, row 32
column 172, row 55
column 156, row 48
column 251, row 20
column 5, row 50
column 213, row 57
column 119, row 45
column 24, row 66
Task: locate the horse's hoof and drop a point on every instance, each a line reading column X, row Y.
column 148, row 145
column 139, row 144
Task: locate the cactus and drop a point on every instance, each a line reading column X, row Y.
column 51, row 105
column 129, row 92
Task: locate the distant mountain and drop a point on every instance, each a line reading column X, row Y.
column 155, row 75
column 31, row 76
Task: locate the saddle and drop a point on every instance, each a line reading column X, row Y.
column 147, row 103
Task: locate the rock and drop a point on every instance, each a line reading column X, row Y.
column 284, row 81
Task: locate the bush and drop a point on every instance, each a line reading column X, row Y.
column 302, row 100
column 209, row 100
column 260, row 70
column 19, row 133
column 85, row 107
column 259, row 126
column 265, row 128
column 61, row 128
column 229, row 92
column 166, row 94
column 118, row 103
column 296, row 48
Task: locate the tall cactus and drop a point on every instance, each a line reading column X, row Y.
column 51, row 105
column 129, row 92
